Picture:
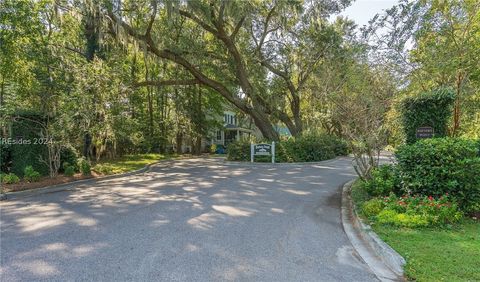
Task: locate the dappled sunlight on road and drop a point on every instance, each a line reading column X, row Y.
column 177, row 210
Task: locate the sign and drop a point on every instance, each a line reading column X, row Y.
column 263, row 149
column 425, row 132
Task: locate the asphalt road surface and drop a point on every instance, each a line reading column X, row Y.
column 187, row 220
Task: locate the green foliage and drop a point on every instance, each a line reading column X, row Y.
column 402, row 220
column 385, row 180
column 372, row 207
column 437, row 166
column 30, row 174
column 26, row 128
column 84, row 165
column 306, row 148
column 68, row 157
column 104, row 169
column 5, row 157
column 311, row 148
column 69, row 170
column 239, row 151
column 431, row 109
column 437, row 211
column 416, row 211
column 213, row 148
column 10, row 178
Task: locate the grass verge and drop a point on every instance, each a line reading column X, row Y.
column 433, row 254
column 127, row 163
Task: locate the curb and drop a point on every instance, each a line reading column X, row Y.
column 384, row 261
column 70, row 186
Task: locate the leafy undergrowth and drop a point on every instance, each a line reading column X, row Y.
column 127, row 163
column 437, row 254
column 432, row 254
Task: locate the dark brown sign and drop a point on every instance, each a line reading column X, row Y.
column 425, row 132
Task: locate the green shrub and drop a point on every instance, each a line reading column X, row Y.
column 372, row 207
column 427, row 109
column 239, row 151
column 385, row 180
column 391, row 217
column 434, row 167
column 26, row 127
column 5, row 157
column 306, row 148
column 10, row 178
column 416, row 211
column 213, row 148
column 84, row 165
column 69, row 170
column 68, row 157
column 104, row 169
column 30, row 174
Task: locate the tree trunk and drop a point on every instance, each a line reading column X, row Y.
column 179, row 141
column 264, row 125
column 91, row 33
column 456, row 107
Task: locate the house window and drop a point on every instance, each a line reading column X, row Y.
column 225, row 118
column 219, row 135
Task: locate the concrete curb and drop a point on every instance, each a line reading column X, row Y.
column 72, row 185
column 385, row 262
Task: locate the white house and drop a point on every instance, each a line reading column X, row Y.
column 233, row 129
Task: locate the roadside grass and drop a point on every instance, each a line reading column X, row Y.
column 127, row 163
column 432, row 254
column 437, row 254
column 359, row 195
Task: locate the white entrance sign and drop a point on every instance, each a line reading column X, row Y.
column 262, row 149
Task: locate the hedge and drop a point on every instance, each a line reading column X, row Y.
column 431, row 109
column 23, row 155
column 307, row 148
column 434, row 167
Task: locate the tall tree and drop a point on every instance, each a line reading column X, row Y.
column 240, row 49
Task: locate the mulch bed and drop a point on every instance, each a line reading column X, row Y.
column 46, row 181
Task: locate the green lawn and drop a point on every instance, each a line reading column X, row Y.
column 127, row 163
column 434, row 254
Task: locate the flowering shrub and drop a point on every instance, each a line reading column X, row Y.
column 413, row 211
column 442, row 165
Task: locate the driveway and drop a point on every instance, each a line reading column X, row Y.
column 187, row 220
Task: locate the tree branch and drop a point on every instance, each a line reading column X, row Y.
column 203, row 24
column 152, row 19
column 167, row 82
column 237, row 28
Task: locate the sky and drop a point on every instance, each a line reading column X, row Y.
column 361, row 11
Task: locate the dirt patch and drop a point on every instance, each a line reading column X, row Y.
column 46, row 181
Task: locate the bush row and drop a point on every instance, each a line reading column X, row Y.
column 307, row 148
column 432, row 168
column 31, row 175
column 412, row 211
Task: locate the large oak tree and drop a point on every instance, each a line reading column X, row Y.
column 258, row 55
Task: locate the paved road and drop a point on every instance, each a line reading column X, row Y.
column 187, row 220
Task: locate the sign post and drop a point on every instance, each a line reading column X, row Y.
column 425, row 132
column 262, row 149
